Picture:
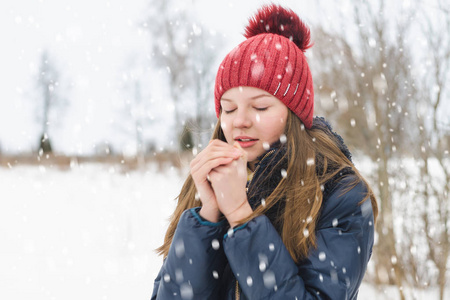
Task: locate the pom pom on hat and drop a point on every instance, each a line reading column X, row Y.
column 278, row 20
column 272, row 59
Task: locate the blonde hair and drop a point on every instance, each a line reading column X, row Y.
column 302, row 202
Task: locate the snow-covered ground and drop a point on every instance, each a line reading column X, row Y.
column 90, row 232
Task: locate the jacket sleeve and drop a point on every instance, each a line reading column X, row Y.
column 194, row 262
column 333, row 270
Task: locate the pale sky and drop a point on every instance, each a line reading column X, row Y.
column 91, row 42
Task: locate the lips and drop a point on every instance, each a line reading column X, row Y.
column 246, row 141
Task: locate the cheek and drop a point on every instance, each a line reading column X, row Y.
column 274, row 128
column 282, row 120
column 224, row 122
column 225, row 125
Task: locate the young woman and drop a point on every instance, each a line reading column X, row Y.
column 274, row 207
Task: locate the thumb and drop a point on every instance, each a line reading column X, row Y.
column 244, row 153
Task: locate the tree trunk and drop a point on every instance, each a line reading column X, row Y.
column 386, row 251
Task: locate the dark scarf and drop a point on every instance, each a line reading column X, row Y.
column 271, row 166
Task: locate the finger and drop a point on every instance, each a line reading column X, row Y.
column 214, row 153
column 217, row 163
column 216, row 160
column 244, row 153
column 209, row 155
column 220, row 169
column 215, row 176
column 200, row 172
column 217, row 142
column 216, row 149
column 218, row 146
column 224, row 147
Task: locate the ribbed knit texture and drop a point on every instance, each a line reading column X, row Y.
column 273, row 63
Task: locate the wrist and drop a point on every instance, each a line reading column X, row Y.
column 244, row 211
column 211, row 214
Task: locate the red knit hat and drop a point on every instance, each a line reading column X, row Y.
column 272, row 59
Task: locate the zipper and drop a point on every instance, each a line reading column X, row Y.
column 237, row 297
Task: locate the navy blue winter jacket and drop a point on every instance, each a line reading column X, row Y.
column 205, row 259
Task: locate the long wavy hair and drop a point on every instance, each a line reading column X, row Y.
column 301, row 190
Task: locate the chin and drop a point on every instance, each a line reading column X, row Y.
column 253, row 156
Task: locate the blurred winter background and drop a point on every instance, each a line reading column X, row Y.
column 103, row 104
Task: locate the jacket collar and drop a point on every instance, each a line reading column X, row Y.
column 269, row 169
column 322, row 124
column 278, row 149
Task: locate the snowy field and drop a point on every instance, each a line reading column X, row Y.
column 90, row 233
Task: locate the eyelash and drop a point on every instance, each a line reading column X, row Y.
column 259, row 109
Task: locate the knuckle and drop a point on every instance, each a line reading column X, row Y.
column 212, row 177
column 218, row 142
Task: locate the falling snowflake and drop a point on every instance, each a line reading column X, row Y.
column 179, row 248
column 334, row 222
column 306, row 232
column 215, row 244
column 249, row 281
column 269, row 279
column 322, row 256
column 186, row 291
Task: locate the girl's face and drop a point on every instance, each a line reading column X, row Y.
column 252, row 117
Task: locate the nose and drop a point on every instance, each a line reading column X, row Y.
column 242, row 119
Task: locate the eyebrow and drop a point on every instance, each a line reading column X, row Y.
column 251, row 98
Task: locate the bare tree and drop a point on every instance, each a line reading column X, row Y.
column 205, row 45
column 188, row 53
column 136, row 105
column 434, row 136
column 171, row 32
column 51, row 99
column 365, row 79
column 387, row 88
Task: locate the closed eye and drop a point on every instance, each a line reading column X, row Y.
column 261, row 108
column 229, row 111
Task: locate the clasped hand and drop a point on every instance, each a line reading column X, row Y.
column 220, row 176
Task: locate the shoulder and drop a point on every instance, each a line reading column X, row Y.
column 344, row 237
column 344, row 202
